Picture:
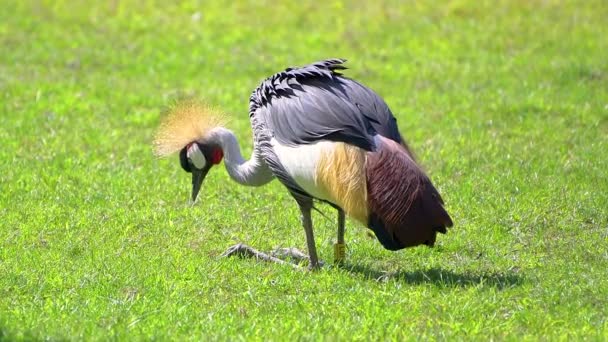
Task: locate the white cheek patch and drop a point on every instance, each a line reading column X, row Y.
column 196, row 157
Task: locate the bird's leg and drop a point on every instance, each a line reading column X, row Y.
column 305, row 208
column 245, row 251
column 341, row 221
column 339, row 247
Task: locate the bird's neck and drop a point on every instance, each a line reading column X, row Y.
column 252, row 172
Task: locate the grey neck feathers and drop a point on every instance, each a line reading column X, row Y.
column 252, row 172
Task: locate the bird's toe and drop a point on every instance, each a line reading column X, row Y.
column 239, row 249
column 317, row 266
column 289, row 252
column 295, row 255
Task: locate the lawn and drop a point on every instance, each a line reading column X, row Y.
column 505, row 104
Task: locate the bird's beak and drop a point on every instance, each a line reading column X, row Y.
column 197, row 180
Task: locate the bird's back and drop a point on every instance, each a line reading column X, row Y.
column 331, row 138
column 315, row 102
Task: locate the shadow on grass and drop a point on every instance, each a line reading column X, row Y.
column 439, row 277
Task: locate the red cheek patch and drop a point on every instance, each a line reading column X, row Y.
column 216, row 156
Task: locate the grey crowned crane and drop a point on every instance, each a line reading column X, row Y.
column 325, row 137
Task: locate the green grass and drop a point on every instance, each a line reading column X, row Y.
column 505, row 104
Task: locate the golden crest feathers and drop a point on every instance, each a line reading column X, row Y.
column 184, row 122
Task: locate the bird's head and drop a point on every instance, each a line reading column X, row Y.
column 198, row 158
column 187, row 127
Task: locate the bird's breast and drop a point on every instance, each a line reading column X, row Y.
column 330, row 171
column 300, row 163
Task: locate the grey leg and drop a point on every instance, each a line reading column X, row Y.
column 310, row 238
column 340, row 247
column 341, row 219
column 305, row 208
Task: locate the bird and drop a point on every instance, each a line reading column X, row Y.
column 328, row 139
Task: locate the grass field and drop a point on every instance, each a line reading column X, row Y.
column 505, row 104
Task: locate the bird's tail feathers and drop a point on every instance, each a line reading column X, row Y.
column 405, row 208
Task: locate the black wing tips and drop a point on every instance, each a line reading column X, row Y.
column 331, row 64
column 283, row 83
column 325, row 68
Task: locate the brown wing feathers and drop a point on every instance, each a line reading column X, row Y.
column 403, row 198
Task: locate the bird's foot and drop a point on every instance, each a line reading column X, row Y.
column 295, row 255
column 290, row 252
column 279, row 255
column 244, row 251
